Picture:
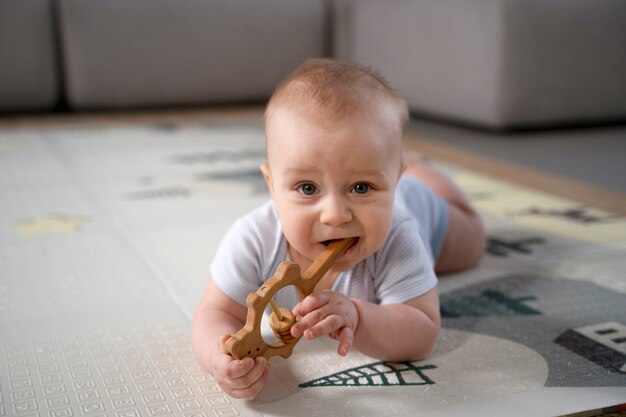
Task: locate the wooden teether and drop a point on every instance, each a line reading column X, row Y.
column 248, row 342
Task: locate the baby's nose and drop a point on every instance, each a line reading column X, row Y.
column 335, row 212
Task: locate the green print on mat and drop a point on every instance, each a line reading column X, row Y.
column 575, row 214
column 488, row 303
column 502, row 247
column 375, row 374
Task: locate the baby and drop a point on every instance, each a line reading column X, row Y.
column 334, row 136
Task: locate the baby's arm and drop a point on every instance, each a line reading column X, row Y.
column 215, row 319
column 398, row 332
column 464, row 243
column 394, row 332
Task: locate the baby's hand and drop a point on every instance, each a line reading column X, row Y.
column 327, row 312
column 244, row 378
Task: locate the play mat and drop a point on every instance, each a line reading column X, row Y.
column 107, row 234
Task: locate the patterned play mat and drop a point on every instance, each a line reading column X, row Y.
column 106, row 236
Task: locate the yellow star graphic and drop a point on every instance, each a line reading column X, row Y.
column 53, row 224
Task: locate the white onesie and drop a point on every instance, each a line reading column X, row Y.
column 400, row 270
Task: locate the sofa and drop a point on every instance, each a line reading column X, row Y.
column 29, row 57
column 496, row 64
column 502, row 64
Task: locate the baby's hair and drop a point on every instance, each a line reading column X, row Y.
column 338, row 90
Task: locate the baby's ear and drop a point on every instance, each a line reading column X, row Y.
column 265, row 169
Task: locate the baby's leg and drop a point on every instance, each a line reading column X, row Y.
column 464, row 243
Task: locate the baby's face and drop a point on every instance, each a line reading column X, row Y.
column 332, row 181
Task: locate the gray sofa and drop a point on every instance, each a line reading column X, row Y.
column 497, row 63
column 493, row 63
column 121, row 53
column 29, row 59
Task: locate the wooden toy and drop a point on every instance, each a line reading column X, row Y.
column 248, row 342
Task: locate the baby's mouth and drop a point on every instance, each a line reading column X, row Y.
column 329, row 241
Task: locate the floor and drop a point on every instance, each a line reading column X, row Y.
column 107, row 229
column 592, row 155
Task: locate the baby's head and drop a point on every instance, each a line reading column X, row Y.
column 334, row 135
column 329, row 92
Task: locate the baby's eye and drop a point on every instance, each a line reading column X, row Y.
column 307, row 189
column 361, row 188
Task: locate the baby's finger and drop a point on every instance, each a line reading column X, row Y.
column 346, row 337
column 305, row 325
column 250, row 378
column 254, row 389
column 312, row 302
column 223, row 341
column 328, row 325
column 236, row 369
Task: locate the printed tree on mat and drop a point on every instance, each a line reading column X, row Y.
column 376, row 374
column 503, row 247
column 488, row 303
column 575, row 214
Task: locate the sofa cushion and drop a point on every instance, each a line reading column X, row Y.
column 495, row 63
column 28, row 61
column 123, row 53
